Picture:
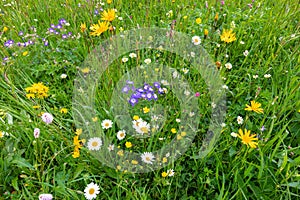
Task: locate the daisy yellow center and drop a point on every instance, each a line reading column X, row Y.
column 148, row 159
column 106, row 124
column 196, row 40
column 144, row 129
column 95, row 143
column 122, row 134
column 92, row 191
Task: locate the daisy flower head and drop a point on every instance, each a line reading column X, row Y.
column 228, row 65
column 91, row 191
column 111, row 147
column 148, row 157
column 196, row 40
column 94, row 143
column 121, row 134
column 248, row 139
column 170, row 172
column 106, row 124
column 240, row 120
column 255, row 106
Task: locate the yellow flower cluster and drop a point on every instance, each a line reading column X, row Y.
column 37, row 90
column 77, row 143
column 228, row 36
column 99, row 28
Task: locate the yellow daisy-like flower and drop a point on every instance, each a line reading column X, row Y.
column 135, row 117
column 228, row 36
column 108, row 15
column 5, row 29
column 173, row 130
column 25, row 53
column 85, row 70
column 134, row 162
column 98, row 29
column 248, row 139
column 205, row 32
column 37, row 90
column 164, row 160
column 256, row 107
column 82, row 27
column 76, row 152
column 109, row 1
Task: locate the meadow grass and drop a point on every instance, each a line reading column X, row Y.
column 265, row 68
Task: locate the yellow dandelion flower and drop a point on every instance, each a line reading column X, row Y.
column 228, row 36
column 1, row 134
column 255, row 106
column 179, row 137
column 205, row 32
column 108, row 15
column 165, row 159
column 248, row 139
column 109, row 1
column 95, row 119
column 164, row 174
column 135, row 117
column 76, row 152
column 85, row 70
column 82, row 27
column 185, row 17
column 63, row 110
column 30, row 96
column 36, row 107
column 183, row 134
column 98, row 29
column 173, row 130
column 216, row 16
column 198, row 20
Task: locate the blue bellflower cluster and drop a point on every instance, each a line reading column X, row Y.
column 147, row 92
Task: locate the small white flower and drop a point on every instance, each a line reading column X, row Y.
column 226, row 55
column 120, row 18
column 228, row 65
column 164, row 82
column 36, row 133
column 196, row 40
column 267, row 75
column 185, row 70
column 63, row 76
column 124, row 59
column 47, row 118
column 223, row 125
column 168, row 155
column 178, row 120
column 218, row 45
column 94, row 143
column 147, row 61
column 147, row 157
column 240, row 120
column 213, row 105
column 232, row 24
column 175, row 74
column 246, row 53
column 111, row 147
column 225, row 87
column 91, row 191
column 132, row 55
column 233, row 134
column 170, row 172
column 45, row 197
column 191, row 114
column 154, row 118
column 255, row 76
column 106, row 124
column 187, row 93
column 242, row 42
column 121, row 134
column 193, row 54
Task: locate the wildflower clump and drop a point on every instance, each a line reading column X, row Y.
column 228, row 36
column 37, row 90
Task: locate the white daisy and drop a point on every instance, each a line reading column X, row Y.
column 121, row 134
column 196, row 40
column 228, row 65
column 111, row 147
column 170, row 172
column 193, row 54
column 154, row 118
column 267, row 75
column 240, row 120
column 142, row 128
column 94, row 143
column 223, row 125
column 255, row 76
column 164, row 82
column 106, row 124
column 132, row 55
column 91, row 191
column 124, row 59
column 175, row 74
column 62, row 76
column 246, row 53
column 147, row 61
column 147, row 157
